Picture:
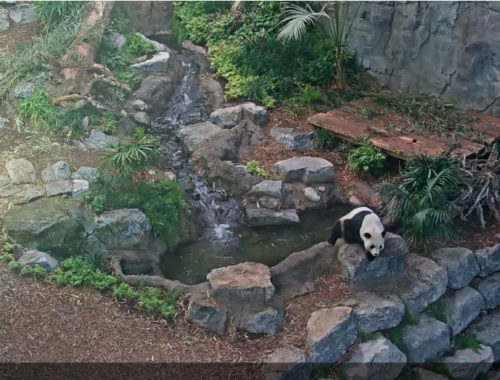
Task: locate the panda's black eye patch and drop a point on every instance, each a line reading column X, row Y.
column 372, row 247
column 367, row 235
column 383, row 233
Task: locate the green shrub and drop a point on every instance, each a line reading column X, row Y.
column 158, row 301
column 253, row 168
column 98, row 204
column 463, row 341
column 33, row 271
column 424, row 202
column 366, row 158
column 7, row 257
column 325, row 139
column 128, row 76
column 107, row 122
column 124, row 292
column 15, row 266
column 310, row 96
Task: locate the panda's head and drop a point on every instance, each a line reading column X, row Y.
column 373, row 233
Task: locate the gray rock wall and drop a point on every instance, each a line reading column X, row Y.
column 444, row 48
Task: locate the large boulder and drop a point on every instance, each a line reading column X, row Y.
column 56, row 188
column 304, row 197
column 489, row 260
column 56, row 172
column 461, row 307
column 23, row 14
column 204, row 312
column 460, row 263
column 267, row 321
column 355, row 266
column 53, row 225
column 377, row 359
column 426, row 283
column 425, row 340
column 486, row 330
column 268, row 217
column 256, row 114
column 85, row 173
column 155, row 91
column 297, row 274
column 34, row 257
column 330, row 334
column 286, row 362
column 156, row 65
column 150, row 17
column 292, row 140
column 376, row 312
column 267, row 194
column 196, row 134
column 20, row 171
column 490, row 290
column 98, row 140
column 305, row 169
column 227, row 117
column 468, row 363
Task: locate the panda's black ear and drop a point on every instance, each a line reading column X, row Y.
column 383, row 233
column 367, row 235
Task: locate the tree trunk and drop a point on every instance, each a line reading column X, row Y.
column 340, row 75
column 78, row 63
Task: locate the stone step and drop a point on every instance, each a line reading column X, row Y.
column 268, row 217
column 305, row 169
column 354, row 265
column 487, row 330
column 460, row 263
column 461, row 307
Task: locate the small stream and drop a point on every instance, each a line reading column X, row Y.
column 226, row 239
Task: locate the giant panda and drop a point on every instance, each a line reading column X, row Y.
column 361, row 226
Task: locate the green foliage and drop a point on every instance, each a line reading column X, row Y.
column 410, row 319
column 367, row 114
column 409, row 374
column 76, row 271
column 463, row 341
column 310, row 96
column 253, row 168
column 424, row 202
column 364, row 337
column 15, row 266
column 366, row 158
column 325, row 139
column 245, row 51
column 8, row 247
column 128, row 76
column 107, row 122
column 98, row 203
column 437, row 310
column 33, row 271
column 396, row 336
column 124, row 292
column 159, row 301
column 52, row 13
column 429, row 113
column 132, row 155
column 7, row 257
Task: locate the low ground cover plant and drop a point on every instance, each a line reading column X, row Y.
column 367, row 158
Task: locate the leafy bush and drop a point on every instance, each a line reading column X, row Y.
column 76, row 271
column 158, row 301
column 366, row 158
column 107, row 122
column 33, row 271
column 7, row 257
column 253, row 168
column 124, row 292
column 424, row 202
column 324, row 139
column 15, row 266
column 128, row 76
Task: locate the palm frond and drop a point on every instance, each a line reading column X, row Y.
column 297, row 20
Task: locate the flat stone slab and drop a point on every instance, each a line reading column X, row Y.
column 330, row 334
column 34, row 257
column 27, row 193
column 490, row 290
column 56, row 172
column 487, row 329
column 271, row 189
column 85, row 173
column 489, row 260
column 377, row 359
column 426, row 283
column 292, row 140
column 194, row 135
column 242, row 284
column 305, row 169
column 426, row 339
column 468, row 364
column 460, row 263
column 55, row 188
column 296, row 275
column 354, row 266
column 156, row 65
column 20, row 171
column 376, row 312
column 268, row 217
column 461, row 307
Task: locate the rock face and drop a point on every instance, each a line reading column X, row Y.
column 468, row 364
column 296, row 141
column 268, row 217
column 256, row 114
column 156, row 65
column 426, row 283
column 330, row 333
column 489, row 260
column 149, row 17
column 461, row 308
column 297, row 274
column 486, row 329
column 376, row 359
column 155, row 91
column 54, row 225
column 415, row 47
column 20, row 171
column 490, row 290
column 23, row 14
column 426, row 339
column 56, row 172
column 305, row 169
column 247, row 292
column 196, row 134
column 207, row 314
column 375, row 312
column 460, row 263
column 85, row 173
column 62, row 187
column 354, row 266
column 34, row 257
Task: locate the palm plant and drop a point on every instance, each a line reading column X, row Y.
column 333, row 20
column 424, row 203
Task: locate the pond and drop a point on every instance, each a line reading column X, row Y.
column 190, row 263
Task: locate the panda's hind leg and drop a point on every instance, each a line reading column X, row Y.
column 336, row 234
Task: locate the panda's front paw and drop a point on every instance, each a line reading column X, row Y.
column 369, row 256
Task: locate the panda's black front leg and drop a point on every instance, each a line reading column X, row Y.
column 369, row 256
column 336, row 234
